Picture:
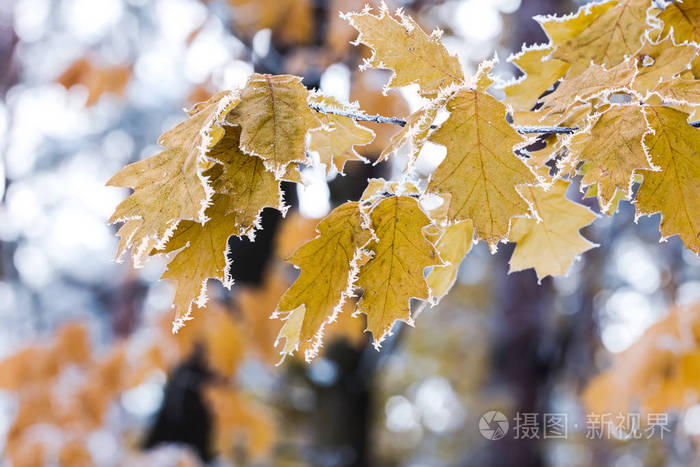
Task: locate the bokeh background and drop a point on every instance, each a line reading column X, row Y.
column 90, row 373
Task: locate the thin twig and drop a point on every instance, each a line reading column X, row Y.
column 363, row 117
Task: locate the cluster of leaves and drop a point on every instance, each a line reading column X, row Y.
column 620, row 76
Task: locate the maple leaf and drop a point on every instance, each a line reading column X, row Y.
column 274, row 116
column 399, row 44
column 394, row 275
column 552, row 243
column 603, row 33
column 244, row 179
column 540, row 75
column 594, row 82
column 661, row 62
column 337, row 137
column 453, row 246
column 480, row 171
column 682, row 20
column 674, row 147
column 169, row 187
column 328, row 266
column 612, row 146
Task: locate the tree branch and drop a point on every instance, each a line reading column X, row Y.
column 363, row 117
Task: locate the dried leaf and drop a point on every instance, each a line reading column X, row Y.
column 328, row 266
column 169, row 186
column 274, row 117
column 674, row 191
column 551, row 244
column 540, row 75
column 399, row 44
column 612, row 146
column 394, row 275
column 603, row 33
column 683, row 18
column 336, row 139
column 480, row 171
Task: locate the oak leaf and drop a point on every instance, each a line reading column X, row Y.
column 244, row 179
column 169, row 187
column 661, row 62
column 540, row 74
column 395, row 274
column 480, row 171
column 674, row 147
column 400, row 44
column 603, row 33
column 552, row 243
column 274, row 117
column 612, row 146
column 338, row 135
column 203, row 256
column 328, row 266
column 683, row 18
column 595, row 82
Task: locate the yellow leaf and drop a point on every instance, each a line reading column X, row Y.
column 250, row 188
column 480, row 171
column 684, row 19
column 674, row 191
column 169, row 186
column 551, row 244
column 594, row 82
column 540, row 75
column 415, row 132
column 400, row 44
column 612, row 146
column 394, row 275
column 204, row 256
column 336, row 139
column 328, row 266
column 600, row 33
column 453, row 246
column 274, row 116
column 661, row 62
column 682, row 91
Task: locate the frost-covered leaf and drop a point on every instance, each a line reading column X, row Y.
column 594, row 82
column 203, row 257
column 603, row 33
column 480, row 171
column 683, row 18
column 243, row 178
column 661, row 62
column 169, row 186
column 274, row 117
column 453, row 246
column 540, row 75
column 415, row 132
column 674, row 191
column 612, row 147
column 394, row 275
column 328, row 266
column 336, row 139
column 400, row 44
column 551, row 244
column 680, row 91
